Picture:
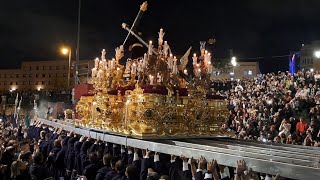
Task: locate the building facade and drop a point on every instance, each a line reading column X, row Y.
column 241, row 71
column 37, row 75
column 308, row 60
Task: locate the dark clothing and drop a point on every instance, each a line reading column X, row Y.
column 90, row 171
column 23, row 176
column 102, row 172
column 111, row 174
column 38, row 172
column 120, row 176
column 69, row 159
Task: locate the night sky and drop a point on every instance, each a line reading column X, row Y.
column 35, row 29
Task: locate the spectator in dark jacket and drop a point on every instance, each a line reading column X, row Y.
column 107, row 167
column 37, row 169
column 91, row 170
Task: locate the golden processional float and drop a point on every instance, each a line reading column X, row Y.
column 153, row 96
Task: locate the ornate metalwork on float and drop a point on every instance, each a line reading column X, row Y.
column 153, row 96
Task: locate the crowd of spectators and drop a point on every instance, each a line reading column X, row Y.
column 276, row 107
column 40, row 152
column 38, row 95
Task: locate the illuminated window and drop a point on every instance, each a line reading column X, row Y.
column 247, row 73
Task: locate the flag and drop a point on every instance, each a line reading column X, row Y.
column 184, row 60
column 27, row 121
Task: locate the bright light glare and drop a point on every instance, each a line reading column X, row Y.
column 64, row 51
column 311, row 70
column 234, row 61
column 317, row 54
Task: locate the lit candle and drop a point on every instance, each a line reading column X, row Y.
column 112, row 63
column 170, row 61
column 150, row 48
column 194, row 58
column 103, row 54
column 100, row 74
column 104, row 63
column 175, row 70
column 165, row 48
column 118, row 69
column 133, row 68
column 101, row 65
column 151, row 79
column 185, row 72
column 174, row 61
column 160, row 39
column 96, row 62
column 139, row 69
column 94, row 72
column 145, row 60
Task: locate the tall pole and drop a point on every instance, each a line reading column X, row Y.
column 78, row 47
column 69, row 69
column 143, row 8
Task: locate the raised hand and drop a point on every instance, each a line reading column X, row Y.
column 202, row 163
column 212, row 165
column 183, row 158
column 241, row 167
column 173, row 157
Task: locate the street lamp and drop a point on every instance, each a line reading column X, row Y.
column 66, row 51
column 317, row 54
column 234, row 61
column 234, row 64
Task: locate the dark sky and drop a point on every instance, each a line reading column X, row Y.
column 35, row 29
